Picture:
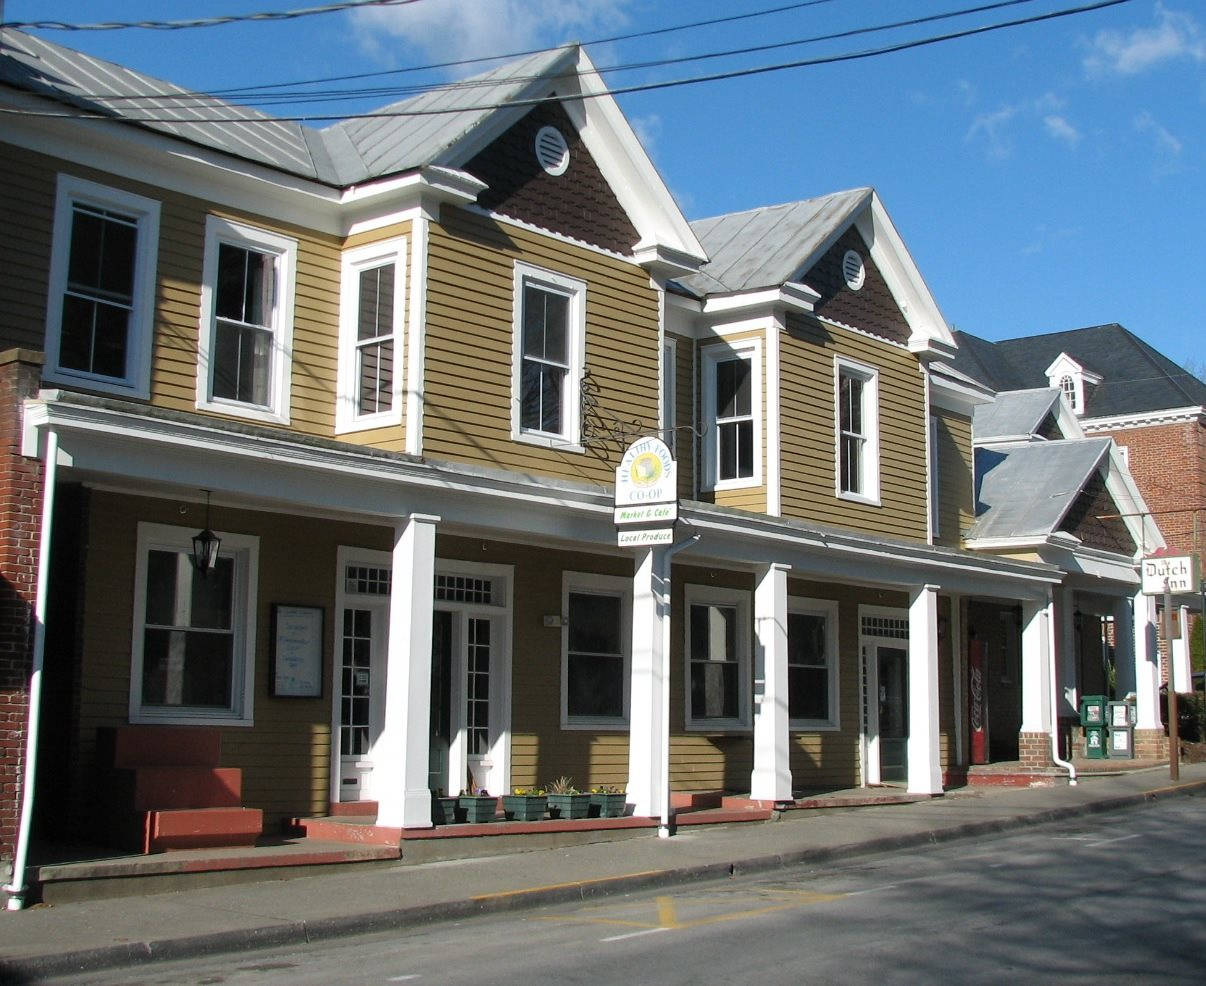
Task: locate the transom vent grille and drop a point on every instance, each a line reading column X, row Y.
column 552, row 152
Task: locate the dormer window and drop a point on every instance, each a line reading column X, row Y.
column 1073, row 381
column 1068, row 385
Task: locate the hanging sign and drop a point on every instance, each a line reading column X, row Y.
column 1170, row 573
column 646, row 497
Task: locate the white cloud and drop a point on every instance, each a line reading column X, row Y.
column 648, row 129
column 1050, row 239
column 1060, row 129
column 455, row 29
column 991, row 129
column 1174, row 36
column 1166, row 142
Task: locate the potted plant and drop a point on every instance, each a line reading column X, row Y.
column 566, row 801
column 478, row 805
column 444, row 809
column 525, row 804
column 607, row 801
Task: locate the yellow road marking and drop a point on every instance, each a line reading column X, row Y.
column 561, row 886
column 666, row 916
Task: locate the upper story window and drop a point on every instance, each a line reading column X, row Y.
column 594, row 668
column 194, row 635
column 370, row 344
column 1067, row 386
column 100, row 310
column 812, row 663
column 246, row 321
column 732, row 408
column 718, row 658
column 1073, row 380
column 550, row 342
column 857, row 426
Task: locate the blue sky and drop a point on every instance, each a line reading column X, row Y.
column 1044, row 177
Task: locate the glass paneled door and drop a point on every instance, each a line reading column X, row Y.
column 893, row 688
column 363, row 633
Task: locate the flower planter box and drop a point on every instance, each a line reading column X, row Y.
column 525, row 807
column 478, row 808
column 569, row 805
column 608, row 805
column 445, row 811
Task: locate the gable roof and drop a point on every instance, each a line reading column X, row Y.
column 1015, row 414
column 1134, row 376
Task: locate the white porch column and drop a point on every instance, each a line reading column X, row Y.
column 400, row 756
column 925, row 767
column 1066, row 653
column 1036, row 690
column 646, row 702
column 771, row 777
column 1182, row 678
column 1147, row 664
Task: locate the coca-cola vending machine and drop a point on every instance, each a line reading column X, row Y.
column 977, row 702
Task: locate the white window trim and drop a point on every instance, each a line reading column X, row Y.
column 244, row 548
column 137, row 381
column 571, row 439
column 740, row 600
column 828, row 608
column 218, row 231
column 870, row 378
column 712, row 355
column 354, row 261
column 602, row 585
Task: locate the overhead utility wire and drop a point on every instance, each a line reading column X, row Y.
column 644, row 87
column 207, row 98
column 467, row 84
column 266, row 15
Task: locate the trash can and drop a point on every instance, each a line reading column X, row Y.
column 1093, row 710
column 1095, row 743
column 1122, row 743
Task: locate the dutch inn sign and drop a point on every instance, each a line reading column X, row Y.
column 646, row 505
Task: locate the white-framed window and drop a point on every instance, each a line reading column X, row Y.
column 101, row 304
column 717, row 649
column 670, row 394
column 732, row 382
column 812, row 663
column 595, row 642
column 246, row 339
column 371, row 320
column 549, row 347
column 194, row 636
column 1067, row 386
column 856, row 426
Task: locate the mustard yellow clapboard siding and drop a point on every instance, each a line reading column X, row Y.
column 751, row 498
column 955, row 479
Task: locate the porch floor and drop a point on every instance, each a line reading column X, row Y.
column 1011, row 773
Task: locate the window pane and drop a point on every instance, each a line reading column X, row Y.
column 161, row 587
column 212, row 595
column 545, row 324
column 375, row 379
column 745, row 449
column 540, row 397
column 851, row 404
column 726, row 437
column 806, row 639
column 102, row 254
column 594, row 623
column 595, row 686
column 242, row 361
column 187, row 668
column 733, row 382
column 245, row 285
column 808, row 693
column 376, row 303
column 851, row 464
column 713, row 691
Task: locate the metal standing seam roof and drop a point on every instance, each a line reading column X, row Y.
column 398, row 137
column 769, row 246
column 1024, row 491
column 1013, row 414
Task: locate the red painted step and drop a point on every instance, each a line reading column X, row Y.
column 201, row 828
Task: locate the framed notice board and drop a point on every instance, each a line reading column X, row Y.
column 297, row 634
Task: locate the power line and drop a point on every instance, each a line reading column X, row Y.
column 266, row 15
column 624, row 90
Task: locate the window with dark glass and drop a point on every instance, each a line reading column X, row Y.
column 715, row 682
column 98, row 302
column 595, row 659
column 375, row 340
column 852, row 433
column 245, row 302
column 807, row 666
column 545, row 366
column 734, row 419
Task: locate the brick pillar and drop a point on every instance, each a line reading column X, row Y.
column 1034, row 750
column 20, row 524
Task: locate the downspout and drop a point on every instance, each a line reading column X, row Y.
column 18, row 887
column 663, row 830
column 1054, row 683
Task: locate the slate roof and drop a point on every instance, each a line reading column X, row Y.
column 1014, row 414
column 1135, row 377
column 767, row 247
column 342, row 154
column 1024, row 491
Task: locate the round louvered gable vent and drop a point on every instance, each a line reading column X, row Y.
column 552, row 151
column 853, row 270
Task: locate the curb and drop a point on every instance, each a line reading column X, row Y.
column 324, row 929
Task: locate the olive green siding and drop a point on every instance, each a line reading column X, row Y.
column 468, row 372
column 954, row 482
column 684, row 443
column 27, row 194
column 808, row 444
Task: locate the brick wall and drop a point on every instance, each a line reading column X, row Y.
column 20, row 521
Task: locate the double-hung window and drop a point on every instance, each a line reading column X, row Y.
column 812, row 688
column 718, row 658
column 550, row 333
column 370, row 353
column 732, row 403
column 856, row 393
column 100, row 311
column 246, row 321
column 595, row 650
column 194, row 635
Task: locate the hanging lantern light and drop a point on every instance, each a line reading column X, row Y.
column 205, row 545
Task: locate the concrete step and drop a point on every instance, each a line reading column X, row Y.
column 158, row 746
column 351, row 829
column 201, row 828
column 167, row 788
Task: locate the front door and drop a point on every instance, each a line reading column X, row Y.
column 884, row 698
column 893, row 688
column 363, row 634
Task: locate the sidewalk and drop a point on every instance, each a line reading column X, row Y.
column 89, row 935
